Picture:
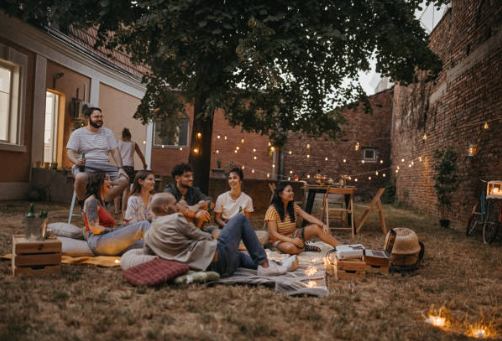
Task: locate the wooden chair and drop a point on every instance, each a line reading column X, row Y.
column 375, row 205
column 343, row 212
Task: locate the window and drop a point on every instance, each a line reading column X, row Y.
column 12, row 84
column 370, row 154
column 178, row 141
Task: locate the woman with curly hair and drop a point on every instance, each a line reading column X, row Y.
column 102, row 236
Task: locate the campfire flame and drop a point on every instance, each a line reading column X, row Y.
column 311, row 271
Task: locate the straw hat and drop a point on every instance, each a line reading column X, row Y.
column 406, row 242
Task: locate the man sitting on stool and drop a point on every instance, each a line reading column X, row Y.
column 172, row 237
column 96, row 142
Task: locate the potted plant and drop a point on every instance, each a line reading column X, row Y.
column 446, row 181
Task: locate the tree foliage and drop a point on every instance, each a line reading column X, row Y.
column 271, row 66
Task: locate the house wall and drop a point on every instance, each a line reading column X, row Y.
column 164, row 159
column 453, row 110
column 16, row 165
column 304, row 156
column 68, row 84
column 118, row 109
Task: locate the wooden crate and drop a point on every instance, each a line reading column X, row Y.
column 349, row 269
column 374, row 269
column 35, row 258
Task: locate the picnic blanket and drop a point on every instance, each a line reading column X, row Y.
column 308, row 279
column 105, row 261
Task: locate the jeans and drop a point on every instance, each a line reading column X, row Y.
column 120, row 240
column 229, row 257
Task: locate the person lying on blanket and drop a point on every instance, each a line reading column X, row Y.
column 102, row 238
column 281, row 219
column 172, row 237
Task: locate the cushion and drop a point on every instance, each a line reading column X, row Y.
column 75, row 248
column 66, row 230
column 134, row 257
column 155, row 272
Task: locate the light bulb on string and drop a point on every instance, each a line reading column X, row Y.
column 350, row 178
column 376, row 173
column 252, row 170
column 420, row 159
column 254, row 150
column 273, row 165
column 272, row 149
column 397, row 170
column 144, row 142
column 344, row 160
column 290, row 152
column 402, row 160
column 237, row 148
column 326, row 159
column 196, row 150
column 290, row 172
column 383, row 175
column 268, row 175
column 308, row 156
column 254, row 157
column 362, row 161
column 308, row 176
column 199, row 135
column 269, row 144
column 308, row 145
column 398, row 167
column 218, row 137
column 235, row 151
column 381, row 161
column 181, row 148
column 162, row 146
column 217, row 151
column 289, row 178
column 369, row 177
column 243, row 167
column 242, row 140
column 357, row 146
column 425, row 137
column 225, row 137
column 486, row 126
column 355, row 179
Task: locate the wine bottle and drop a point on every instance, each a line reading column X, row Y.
column 31, row 213
column 82, row 168
column 240, row 209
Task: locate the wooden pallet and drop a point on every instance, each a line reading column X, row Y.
column 35, row 258
column 349, row 269
column 374, row 269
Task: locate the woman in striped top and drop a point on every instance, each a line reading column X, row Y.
column 281, row 219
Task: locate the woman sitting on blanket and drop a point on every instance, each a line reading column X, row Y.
column 233, row 202
column 102, row 237
column 281, row 219
column 140, row 198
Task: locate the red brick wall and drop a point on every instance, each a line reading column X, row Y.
column 453, row 110
column 369, row 130
column 164, row 159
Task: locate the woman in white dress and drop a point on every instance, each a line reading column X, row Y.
column 139, row 200
column 234, row 201
column 127, row 149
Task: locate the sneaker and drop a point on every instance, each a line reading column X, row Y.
column 291, row 263
column 273, row 269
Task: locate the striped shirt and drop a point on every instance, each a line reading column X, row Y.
column 96, row 146
column 286, row 227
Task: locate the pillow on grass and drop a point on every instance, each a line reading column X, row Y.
column 66, row 230
column 133, row 258
column 155, row 272
column 75, row 248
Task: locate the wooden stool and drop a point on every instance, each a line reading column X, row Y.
column 35, row 258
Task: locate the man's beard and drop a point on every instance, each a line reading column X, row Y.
column 95, row 125
column 184, row 186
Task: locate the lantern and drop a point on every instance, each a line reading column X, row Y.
column 494, row 190
column 473, row 149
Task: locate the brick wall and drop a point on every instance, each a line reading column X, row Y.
column 453, row 111
column 224, row 142
column 303, row 156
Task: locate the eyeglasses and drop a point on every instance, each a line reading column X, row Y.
column 97, row 116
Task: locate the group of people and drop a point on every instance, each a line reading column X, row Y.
column 169, row 224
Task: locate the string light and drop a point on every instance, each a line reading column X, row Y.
column 272, row 149
column 269, row 144
column 425, row 137
column 486, row 126
column 420, row 159
column 289, row 178
column 243, row 167
column 252, row 171
column 199, row 135
column 362, row 161
column 397, row 170
column 369, row 177
column 195, row 150
column 381, row 161
column 144, row 142
column 290, row 152
column 326, row 159
column 273, row 166
column 344, row 160
column 225, row 137
column 308, row 156
column 181, row 148
column 237, row 147
column 268, row 175
column 398, row 167
column 402, row 160
column 217, row 151
column 218, row 137
column 254, row 150
column 308, row 145
column 290, row 172
column 384, row 175
column 235, row 151
column 254, row 157
column 355, row 179
column 308, row 176
column 376, row 173
column 357, row 146
column 242, row 140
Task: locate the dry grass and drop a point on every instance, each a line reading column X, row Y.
column 88, row 302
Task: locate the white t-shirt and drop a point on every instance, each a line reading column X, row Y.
column 229, row 207
column 95, row 145
column 127, row 152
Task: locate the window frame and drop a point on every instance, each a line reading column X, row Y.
column 375, row 154
column 18, row 64
column 172, row 146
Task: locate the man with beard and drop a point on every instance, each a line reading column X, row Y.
column 95, row 142
column 191, row 201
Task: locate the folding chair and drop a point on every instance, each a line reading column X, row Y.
column 343, row 212
column 375, row 205
column 72, row 207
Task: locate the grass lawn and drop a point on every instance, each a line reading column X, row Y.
column 91, row 303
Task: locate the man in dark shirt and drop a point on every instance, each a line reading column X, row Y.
column 186, row 195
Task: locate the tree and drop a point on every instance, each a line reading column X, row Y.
column 271, row 66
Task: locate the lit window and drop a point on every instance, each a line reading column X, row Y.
column 369, row 154
column 181, row 140
column 12, row 84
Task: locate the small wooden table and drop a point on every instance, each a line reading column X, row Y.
column 312, row 190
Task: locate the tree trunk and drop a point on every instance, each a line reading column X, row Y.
column 200, row 146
